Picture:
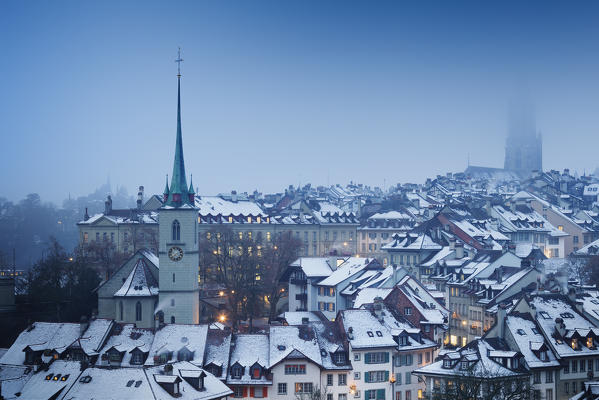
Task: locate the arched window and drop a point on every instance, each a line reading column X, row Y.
column 172, row 302
column 176, row 230
column 173, row 319
column 120, row 310
column 138, row 311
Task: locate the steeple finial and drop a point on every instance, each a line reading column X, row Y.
column 178, row 193
column 179, row 60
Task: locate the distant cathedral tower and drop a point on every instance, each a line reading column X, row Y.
column 524, row 146
column 178, row 236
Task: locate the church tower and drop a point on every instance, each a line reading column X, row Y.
column 178, row 237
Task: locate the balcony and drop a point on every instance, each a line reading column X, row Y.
column 298, row 281
column 301, row 296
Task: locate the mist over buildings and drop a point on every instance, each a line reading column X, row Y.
column 273, row 95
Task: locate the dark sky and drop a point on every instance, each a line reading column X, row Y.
column 286, row 92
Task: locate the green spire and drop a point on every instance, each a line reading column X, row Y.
column 191, row 191
column 166, row 191
column 178, row 194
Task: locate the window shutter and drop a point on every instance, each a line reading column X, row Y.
column 366, row 376
column 386, row 357
column 387, row 376
column 245, row 391
column 367, row 358
column 380, row 394
column 265, row 392
column 252, row 391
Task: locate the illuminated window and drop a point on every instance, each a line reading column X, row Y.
column 560, row 227
column 590, row 342
column 208, row 235
column 230, row 219
column 240, row 235
column 85, row 237
column 268, row 236
column 574, row 343
column 453, row 339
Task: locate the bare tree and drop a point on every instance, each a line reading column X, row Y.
column 234, row 264
column 276, row 258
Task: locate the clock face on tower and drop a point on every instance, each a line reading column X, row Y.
column 175, row 253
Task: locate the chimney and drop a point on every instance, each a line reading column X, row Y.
column 140, row 197
column 108, row 205
column 83, row 324
column 86, row 216
column 501, row 314
column 459, row 250
column 560, row 327
column 452, row 243
column 234, row 196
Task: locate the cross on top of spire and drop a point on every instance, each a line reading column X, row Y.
column 179, row 60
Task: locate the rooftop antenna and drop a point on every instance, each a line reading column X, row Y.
column 179, row 60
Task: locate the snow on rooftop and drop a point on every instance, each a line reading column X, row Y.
column 350, row 267
column 247, row 350
column 173, row 337
column 213, row 387
column 114, row 384
column 47, row 384
column 528, row 338
column 214, row 205
column 41, row 336
column 364, row 330
column 128, row 339
column 313, row 266
column 139, row 283
column 286, row 340
column 367, row 296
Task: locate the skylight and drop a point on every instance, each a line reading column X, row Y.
column 370, row 334
column 545, row 315
column 379, row 333
column 521, row 332
column 567, row 315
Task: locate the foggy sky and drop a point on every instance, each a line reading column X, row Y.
column 277, row 93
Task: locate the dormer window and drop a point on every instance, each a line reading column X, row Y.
column 544, row 356
column 256, row 372
column 339, row 357
column 574, row 344
column 403, row 340
column 236, row 371
column 463, row 364
column 590, row 343
column 446, row 363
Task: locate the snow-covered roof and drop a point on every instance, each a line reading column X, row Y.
column 218, row 348
column 364, row 331
column 293, row 341
column 128, row 338
column 214, row 205
column 47, row 384
column 114, row 384
column 247, row 350
column 297, row 317
column 529, row 339
column 139, row 283
column 41, row 336
column 367, row 295
column 313, row 266
column 173, row 338
column 411, row 242
column 476, row 353
column 550, row 307
column 349, row 268
column 183, row 370
column 94, row 336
